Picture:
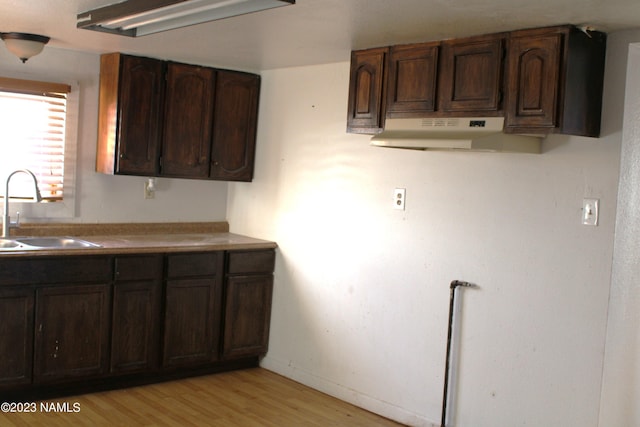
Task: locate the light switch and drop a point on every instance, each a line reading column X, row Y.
column 590, row 211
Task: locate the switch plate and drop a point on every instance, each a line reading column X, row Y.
column 399, row 196
column 590, row 208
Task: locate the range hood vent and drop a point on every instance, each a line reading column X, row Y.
column 455, row 133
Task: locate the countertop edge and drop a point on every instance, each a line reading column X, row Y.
column 149, row 243
column 134, row 250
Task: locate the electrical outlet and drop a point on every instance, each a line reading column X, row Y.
column 399, row 198
column 149, row 190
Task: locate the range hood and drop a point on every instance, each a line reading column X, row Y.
column 455, row 133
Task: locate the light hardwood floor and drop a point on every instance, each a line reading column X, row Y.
column 245, row 398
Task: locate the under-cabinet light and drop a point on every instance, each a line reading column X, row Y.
column 136, row 18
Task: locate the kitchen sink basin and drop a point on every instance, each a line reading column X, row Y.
column 8, row 244
column 34, row 243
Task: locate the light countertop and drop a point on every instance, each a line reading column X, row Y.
column 140, row 238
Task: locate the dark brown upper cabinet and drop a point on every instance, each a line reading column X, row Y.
column 130, row 112
column 534, row 71
column 188, row 115
column 235, row 121
column 159, row 118
column 365, row 111
column 554, row 81
column 544, row 80
column 470, row 78
column 411, row 83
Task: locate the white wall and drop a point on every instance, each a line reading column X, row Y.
column 621, row 381
column 361, row 298
column 105, row 198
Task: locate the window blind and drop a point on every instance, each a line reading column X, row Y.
column 32, row 136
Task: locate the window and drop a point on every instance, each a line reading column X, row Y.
column 33, row 135
column 39, row 132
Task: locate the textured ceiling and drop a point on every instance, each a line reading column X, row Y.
column 314, row 31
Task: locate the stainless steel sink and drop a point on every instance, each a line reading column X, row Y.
column 8, row 244
column 35, row 243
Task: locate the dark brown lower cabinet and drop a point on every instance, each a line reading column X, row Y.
column 84, row 321
column 72, row 331
column 247, row 309
column 135, row 333
column 192, row 309
column 247, row 314
column 16, row 336
column 192, row 322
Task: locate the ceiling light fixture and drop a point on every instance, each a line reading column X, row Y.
column 136, row 18
column 24, row 45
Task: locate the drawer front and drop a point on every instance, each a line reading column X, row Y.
column 194, row 264
column 138, row 267
column 248, row 262
column 63, row 269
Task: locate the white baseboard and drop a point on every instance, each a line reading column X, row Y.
column 384, row 409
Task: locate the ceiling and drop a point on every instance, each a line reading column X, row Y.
column 313, row 31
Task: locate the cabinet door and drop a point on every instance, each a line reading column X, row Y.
column 247, row 315
column 471, row 75
column 136, row 316
column 366, row 91
column 72, row 331
column 412, row 80
column 532, row 82
column 192, row 321
column 247, row 310
column 140, row 106
column 234, row 126
column 130, row 108
column 16, row 336
column 135, row 334
column 186, row 145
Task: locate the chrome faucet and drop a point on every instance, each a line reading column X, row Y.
column 6, row 219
